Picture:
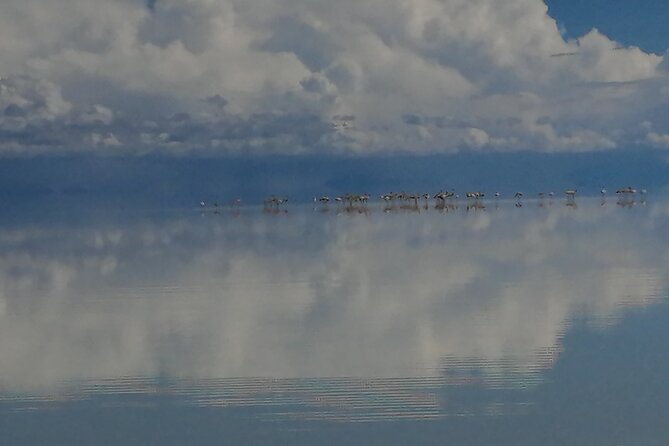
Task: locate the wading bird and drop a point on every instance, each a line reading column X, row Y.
column 626, row 190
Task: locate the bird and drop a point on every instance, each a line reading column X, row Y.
column 413, row 197
column 274, row 201
column 476, row 195
column 202, row 204
column 603, row 191
column 386, row 197
column 626, row 190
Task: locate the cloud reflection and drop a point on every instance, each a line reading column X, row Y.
column 319, row 295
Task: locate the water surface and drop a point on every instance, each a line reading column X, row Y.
column 493, row 324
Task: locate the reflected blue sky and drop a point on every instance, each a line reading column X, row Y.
column 513, row 325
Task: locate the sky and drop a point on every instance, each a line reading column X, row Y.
column 640, row 24
column 205, row 78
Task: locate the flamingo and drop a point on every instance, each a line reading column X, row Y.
column 275, row 201
column 386, row 197
column 414, row 198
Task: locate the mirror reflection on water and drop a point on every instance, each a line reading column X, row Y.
column 477, row 324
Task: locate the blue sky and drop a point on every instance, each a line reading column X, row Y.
column 641, row 23
column 57, row 183
column 366, row 79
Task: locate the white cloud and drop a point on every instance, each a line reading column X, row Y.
column 31, row 99
column 108, row 139
column 97, row 113
column 658, row 140
column 476, row 138
column 503, row 68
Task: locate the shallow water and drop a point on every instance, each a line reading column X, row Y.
column 540, row 324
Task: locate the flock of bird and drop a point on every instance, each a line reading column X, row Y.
column 441, row 198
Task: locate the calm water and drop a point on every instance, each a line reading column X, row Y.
column 544, row 324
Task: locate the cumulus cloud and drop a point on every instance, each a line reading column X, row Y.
column 256, row 76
